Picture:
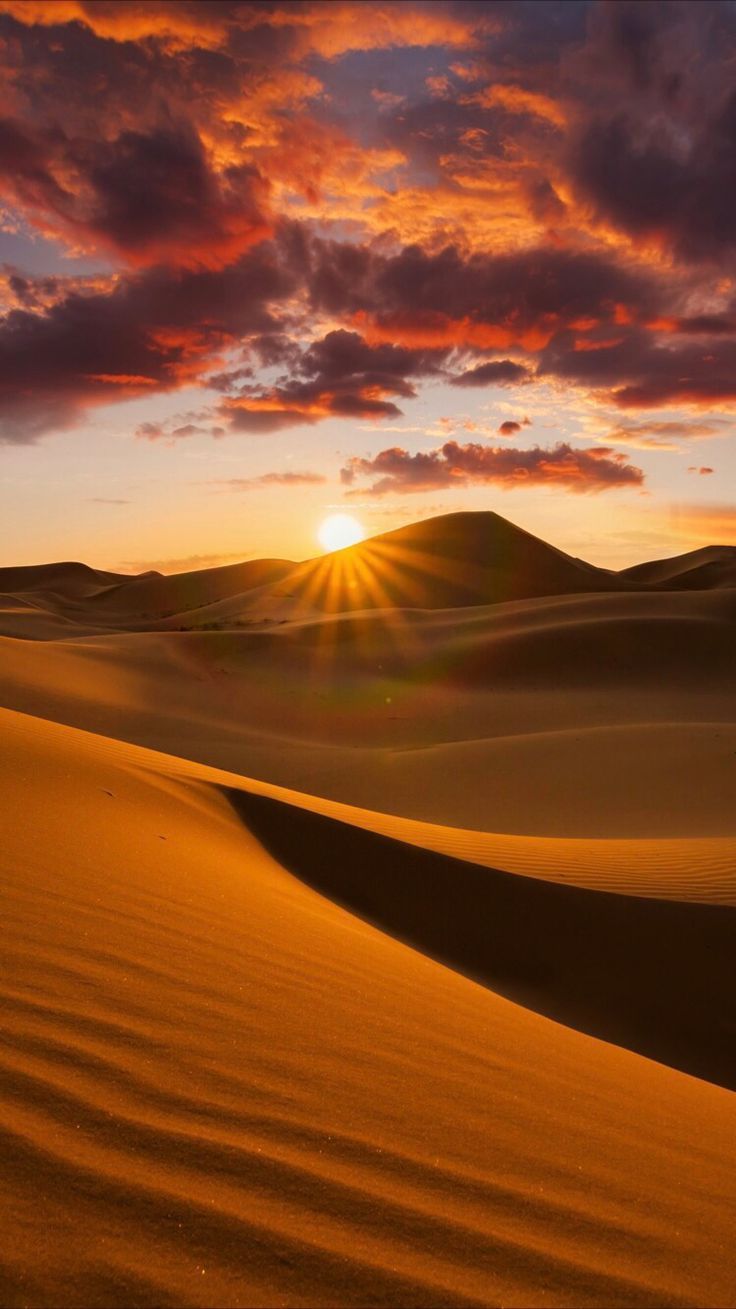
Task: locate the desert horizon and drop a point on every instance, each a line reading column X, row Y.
column 654, row 565
column 367, row 654
column 370, row 940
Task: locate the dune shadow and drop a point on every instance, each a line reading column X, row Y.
column 654, row 976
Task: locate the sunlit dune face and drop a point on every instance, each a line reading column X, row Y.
column 338, row 531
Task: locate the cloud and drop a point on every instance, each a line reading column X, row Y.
column 663, row 435
column 316, row 231
column 270, row 411
column 331, row 28
column 177, row 25
column 450, row 298
column 270, row 479
column 639, row 372
column 460, row 465
column 639, row 176
column 497, row 372
column 653, row 154
column 322, row 27
column 152, row 197
column 103, row 500
column 509, row 428
column 704, row 472
column 517, row 100
column 154, row 331
column 340, row 375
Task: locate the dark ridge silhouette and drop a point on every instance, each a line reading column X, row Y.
column 655, row 976
column 699, row 570
column 454, row 560
column 158, row 594
column 69, row 578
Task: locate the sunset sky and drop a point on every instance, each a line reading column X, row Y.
column 260, row 263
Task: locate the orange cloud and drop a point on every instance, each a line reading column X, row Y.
column 121, row 379
column 515, row 100
column 319, row 161
column 622, row 315
column 428, row 329
column 582, row 344
column 332, row 27
column 579, row 471
column 150, row 196
column 177, row 25
column 285, row 408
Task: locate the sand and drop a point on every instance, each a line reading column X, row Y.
column 369, row 957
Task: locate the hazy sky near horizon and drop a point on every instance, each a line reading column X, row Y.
column 260, row 262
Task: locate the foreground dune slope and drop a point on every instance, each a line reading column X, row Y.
column 217, row 1086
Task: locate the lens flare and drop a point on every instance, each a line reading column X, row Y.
column 339, row 531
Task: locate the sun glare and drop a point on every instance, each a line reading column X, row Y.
column 338, row 531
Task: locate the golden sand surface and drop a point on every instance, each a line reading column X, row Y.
column 369, row 953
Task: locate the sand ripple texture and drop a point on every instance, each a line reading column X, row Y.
column 218, row 1085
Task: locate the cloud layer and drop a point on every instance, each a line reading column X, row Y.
column 519, row 194
column 597, row 469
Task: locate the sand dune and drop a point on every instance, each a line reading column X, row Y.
column 460, row 562
column 712, row 566
column 156, row 596
column 64, row 579
column 255, row 1097
column 459, row 559
column 603, row 715
column 369, row 929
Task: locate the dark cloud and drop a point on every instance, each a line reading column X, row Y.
column 150, row 431
column 497, row 372
column 155, row 197
column 343, row 354
column 509, row 428
column 703, row 471
column 640, row 371
column 152, row 332
column 648, row 190
column 460, row 465
column 423, row 299
column 340, row 375
column 549, row 181
column 654, row 153
column 151, row 196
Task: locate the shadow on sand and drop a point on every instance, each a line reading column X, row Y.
column 655, row 976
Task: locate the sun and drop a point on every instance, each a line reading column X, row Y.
column 338, row 531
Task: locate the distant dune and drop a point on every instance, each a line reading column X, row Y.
column 369, row 929
column 456, row 561
column 156, row 596
column 713, row 566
